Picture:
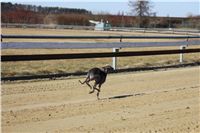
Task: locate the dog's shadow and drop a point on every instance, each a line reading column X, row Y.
column 123, row 96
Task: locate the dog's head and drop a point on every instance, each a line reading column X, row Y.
column 108, row 69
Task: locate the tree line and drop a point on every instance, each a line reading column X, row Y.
column 31, row 14
column 5, row 7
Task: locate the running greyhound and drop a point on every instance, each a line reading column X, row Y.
column 99, row 76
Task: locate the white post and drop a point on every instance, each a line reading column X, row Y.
column 114, row 62
column 181, row 54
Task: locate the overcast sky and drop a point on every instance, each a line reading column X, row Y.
column 173, row 8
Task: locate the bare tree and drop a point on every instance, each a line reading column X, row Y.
column 142, row 9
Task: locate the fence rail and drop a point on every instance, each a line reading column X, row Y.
column 94, row 37
column 89, row 45
column 6, row 58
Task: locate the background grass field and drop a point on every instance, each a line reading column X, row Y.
column 77, row 65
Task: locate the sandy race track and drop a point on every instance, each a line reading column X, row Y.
column 154, row 101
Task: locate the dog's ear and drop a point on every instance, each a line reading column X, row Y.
column 104, row 69
column 108, row 68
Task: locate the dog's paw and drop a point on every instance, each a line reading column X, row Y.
column 91, row 92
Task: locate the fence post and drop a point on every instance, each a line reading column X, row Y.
column 181, row 54
column 114, row 60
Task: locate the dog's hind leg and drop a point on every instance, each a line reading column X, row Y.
column 88, row 84
column 82, row 82
column 95, row 86
column 86, row 80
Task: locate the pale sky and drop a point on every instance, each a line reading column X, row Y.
column 173, row 8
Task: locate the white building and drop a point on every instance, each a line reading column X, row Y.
column 100, row 25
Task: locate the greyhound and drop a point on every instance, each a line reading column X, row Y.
column 99, row 76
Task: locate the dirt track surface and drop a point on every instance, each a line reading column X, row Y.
column 156, row 101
